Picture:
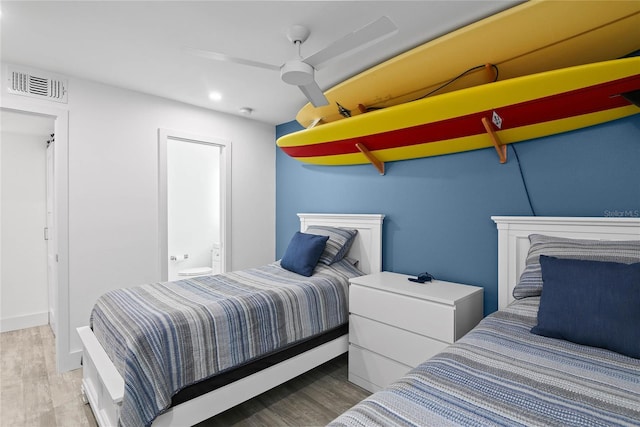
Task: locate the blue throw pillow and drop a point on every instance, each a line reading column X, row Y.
column 303, row 253
column 593, row 303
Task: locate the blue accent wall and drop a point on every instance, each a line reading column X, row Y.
column 438, row 209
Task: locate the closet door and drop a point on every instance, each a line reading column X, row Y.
column 51, row 237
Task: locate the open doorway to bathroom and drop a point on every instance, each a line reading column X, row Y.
column 194, row 201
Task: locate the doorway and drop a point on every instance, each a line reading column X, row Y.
column 66, row 357
column 194, row 183
column 28, row 272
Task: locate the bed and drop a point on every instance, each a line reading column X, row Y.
column 270, row 324
column 565, row 374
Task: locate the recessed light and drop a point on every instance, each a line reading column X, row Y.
column 215, row 96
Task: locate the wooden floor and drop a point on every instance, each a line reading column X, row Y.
column 33, row 394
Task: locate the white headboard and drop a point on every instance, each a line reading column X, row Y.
column 513, row 240
column 367, row 247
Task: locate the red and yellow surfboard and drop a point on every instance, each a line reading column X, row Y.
column 517, row 109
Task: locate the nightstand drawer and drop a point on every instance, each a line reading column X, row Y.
column 375, row 369
column 412, row 314
column 398, row 344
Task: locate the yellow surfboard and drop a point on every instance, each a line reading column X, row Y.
column 497, row 113
column 530, row 38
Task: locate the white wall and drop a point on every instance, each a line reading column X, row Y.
column 23, row 288
column 113, row 189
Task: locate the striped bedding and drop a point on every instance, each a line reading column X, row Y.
column 501, row 374
column 163, row 337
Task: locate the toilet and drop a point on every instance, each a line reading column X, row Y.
column 194, row 272
column 203, row 271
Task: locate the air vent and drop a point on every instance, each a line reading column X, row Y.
column 37, row 86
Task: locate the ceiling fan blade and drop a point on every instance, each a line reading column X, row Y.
column 364, row 37
column 226, row 58
column 314, row 94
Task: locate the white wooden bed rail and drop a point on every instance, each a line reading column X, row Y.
column 102, row 384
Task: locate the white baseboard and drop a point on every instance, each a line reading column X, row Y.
column 24, row 321
column 70, row 361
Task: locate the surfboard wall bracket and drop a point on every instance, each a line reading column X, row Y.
column 491, row 72
column 371, row 157
column 501, row 149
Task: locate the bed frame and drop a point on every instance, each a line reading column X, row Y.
column 103, row 386
column 513, row 241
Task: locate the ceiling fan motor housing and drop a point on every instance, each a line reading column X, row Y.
column 298, row 34
column 296, row 72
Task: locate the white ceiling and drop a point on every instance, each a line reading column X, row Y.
column 139, row 45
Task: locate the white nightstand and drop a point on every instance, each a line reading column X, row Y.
column 395, row 324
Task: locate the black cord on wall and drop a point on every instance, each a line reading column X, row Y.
column 524, row 181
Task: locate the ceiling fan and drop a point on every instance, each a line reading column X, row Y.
column 300, row 72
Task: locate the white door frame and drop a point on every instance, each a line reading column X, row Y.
column 225, row 195
column 66, row 359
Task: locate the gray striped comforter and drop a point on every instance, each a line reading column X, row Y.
column 501, row 374
column 165, row 336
